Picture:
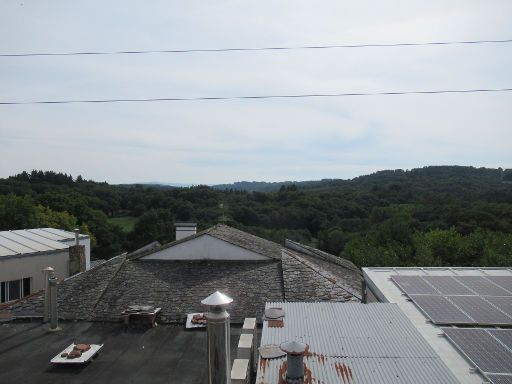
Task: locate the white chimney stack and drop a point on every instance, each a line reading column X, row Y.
column 185, row 230
column 295, row 361
column 218, row 334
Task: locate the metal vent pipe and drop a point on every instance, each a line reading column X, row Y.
column 54, row 321
column 47, row 273
column 295, row 361
column 218, row 335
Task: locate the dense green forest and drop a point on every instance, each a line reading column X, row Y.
column 431, row 216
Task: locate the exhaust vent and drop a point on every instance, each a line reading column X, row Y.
column 218, row 335
column 295, row 361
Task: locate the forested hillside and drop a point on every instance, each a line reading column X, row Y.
column 429, row 216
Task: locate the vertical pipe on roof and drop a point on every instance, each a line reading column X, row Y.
column 295, row 361
column 218, row 334
column 54, row 321
column 47, row 273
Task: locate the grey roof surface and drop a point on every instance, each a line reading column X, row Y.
column 164, row 354
column 306, row 281
column 33, row 241
column 24, row 243
column 102, row 293
column 353, row 343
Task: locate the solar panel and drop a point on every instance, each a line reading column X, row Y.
column 440, row 310
column 481, row 349
column 480, row 310
column 503, row 303
column 500, row 379
column 447, row 285
column 503, row 335
column 481, row 286
column 413, row 285
column 502, row 281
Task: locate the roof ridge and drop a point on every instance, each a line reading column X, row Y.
column 109, row 281
column 320, row 271
column 323, row 255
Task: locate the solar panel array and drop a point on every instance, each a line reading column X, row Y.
column 461, row 300
column 488, row 349
column 469, row 301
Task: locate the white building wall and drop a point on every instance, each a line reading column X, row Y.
column 20, row 267
column 205, row 247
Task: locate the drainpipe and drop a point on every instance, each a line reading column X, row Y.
column 47, row 272
column 295, row 361
column 218, row 335
column 54, row 321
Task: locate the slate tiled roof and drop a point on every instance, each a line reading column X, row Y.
column 178, row 287
column 304, row 281
column 77, row 296
column 102, row 293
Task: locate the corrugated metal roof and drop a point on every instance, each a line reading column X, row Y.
column 353, row 343
column 30, row 241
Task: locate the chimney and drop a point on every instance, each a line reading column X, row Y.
column 54, row 321
column 185, row 230
column 295, row 361
column 77, row 235
column 47, row 273
column 218, row 335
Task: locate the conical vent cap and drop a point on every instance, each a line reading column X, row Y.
column 217, row 298
column 293, row 347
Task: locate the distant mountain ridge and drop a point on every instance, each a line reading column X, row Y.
column 450, row 172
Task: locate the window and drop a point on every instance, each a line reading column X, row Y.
column 14, row 289
column 26, row 286
column 3, row 292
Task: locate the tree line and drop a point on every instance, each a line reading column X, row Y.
column 431, row 216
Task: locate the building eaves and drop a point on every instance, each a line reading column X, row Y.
column 321, row 255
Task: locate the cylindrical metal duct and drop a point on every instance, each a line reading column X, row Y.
column 218, row 334
column 47, row 273
column 295, row 361
column 54, row 322
column 219, row 358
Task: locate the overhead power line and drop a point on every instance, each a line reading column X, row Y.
column 297, row 96
column 212, row 50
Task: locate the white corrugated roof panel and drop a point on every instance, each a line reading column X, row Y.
column 52, row 234
column 28, row 234
column 21, row 242
column 354, row 343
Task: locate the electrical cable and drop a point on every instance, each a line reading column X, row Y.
column 284, row 48
column 388, row 93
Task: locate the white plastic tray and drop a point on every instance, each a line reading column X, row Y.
column 86, row 356
column 189, row 323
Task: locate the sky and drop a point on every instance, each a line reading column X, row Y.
column 223, row 141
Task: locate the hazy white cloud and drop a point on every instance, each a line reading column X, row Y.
column 224, row 141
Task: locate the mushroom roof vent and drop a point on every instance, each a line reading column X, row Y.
column 293, row 347
column 217, row 298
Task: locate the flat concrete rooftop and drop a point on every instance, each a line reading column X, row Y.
column 164, row 354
